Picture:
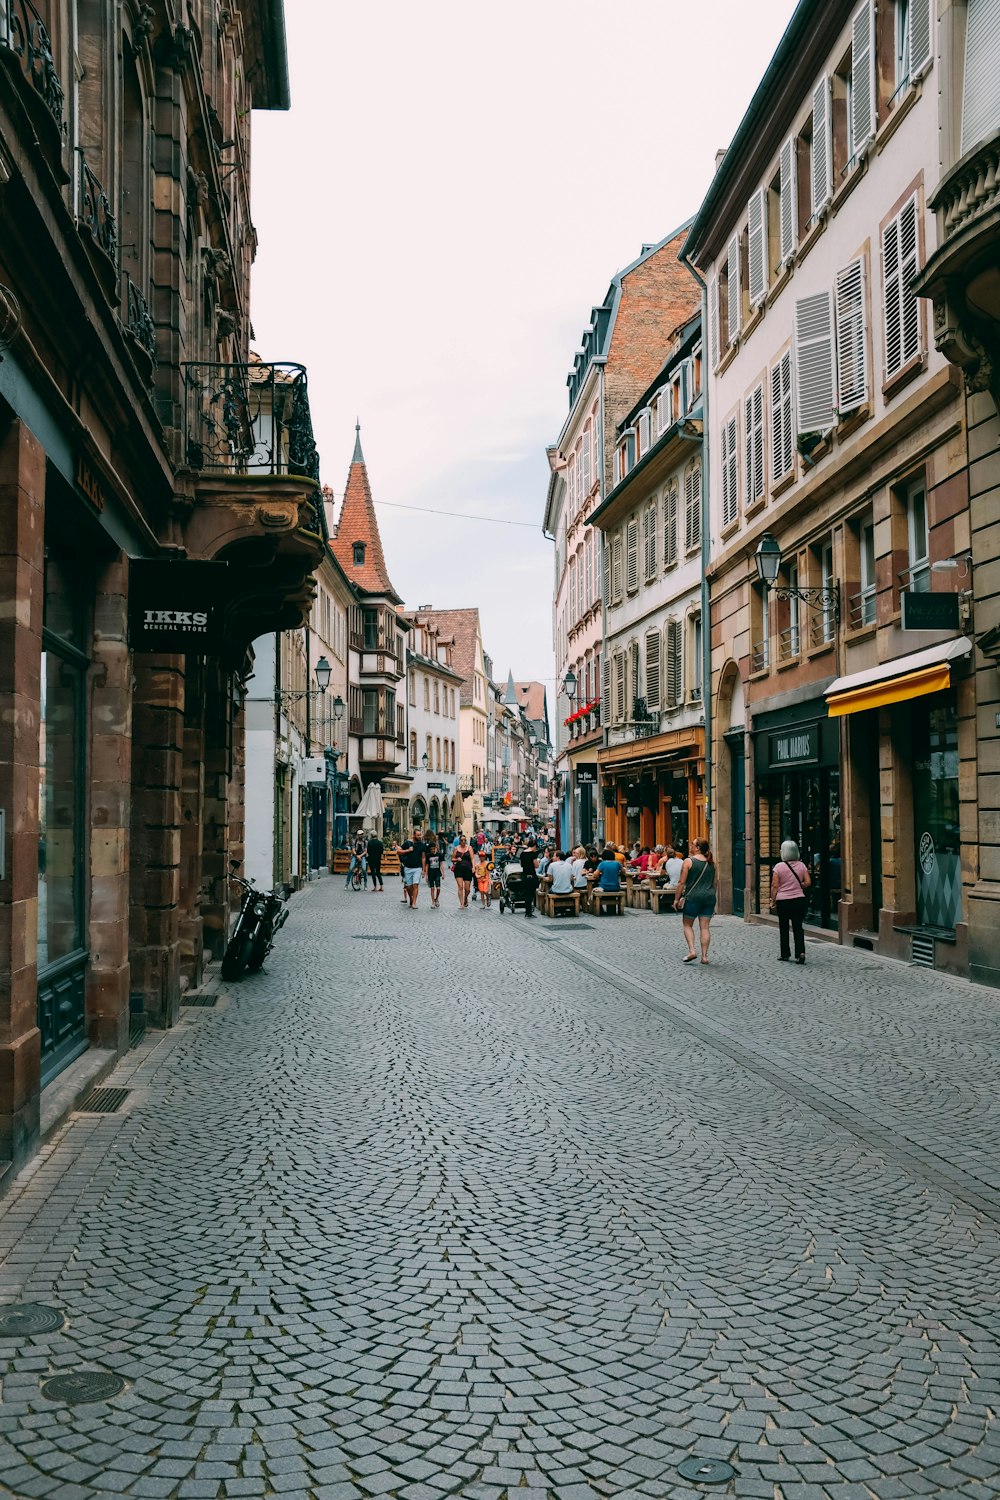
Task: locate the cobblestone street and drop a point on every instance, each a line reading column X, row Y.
column 445, row 1202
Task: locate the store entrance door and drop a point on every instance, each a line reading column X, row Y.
column 738, row 803
column 803, row 806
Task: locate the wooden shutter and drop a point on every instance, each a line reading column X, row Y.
column 650, row 521
column 632, row 557
column 814, row 363
column 862, row 76
column 781, row 417
column 713, row 321
column 692, row 506
column 605, row 692
column 922, row 37
column 756, row 248
column 616, row 569
column 607, row 572
column 652, row 669
column 674, row 663
column 980, row 96
column 899, row 266
column 634, row 677
column 788, row 200
column 734, row 307
column 821, row 163
column 619, row 687
column 852, row 347
column 730, row 503
column 753, row 446
column 670, row 524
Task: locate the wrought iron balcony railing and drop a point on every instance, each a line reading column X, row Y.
column 760, row 656
column 138, row 320
column 789, row 643
column 96, row 214
column 251, row 419
column 861, row 608
column 23, row 33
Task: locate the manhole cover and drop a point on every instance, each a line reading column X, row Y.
column 104, row 1102
column 22, row 1319
column 373, row 937
column 84, row 1385
column 706, row 1470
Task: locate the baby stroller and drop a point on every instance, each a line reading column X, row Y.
column 512, row 892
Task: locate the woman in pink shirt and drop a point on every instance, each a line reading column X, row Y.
column 789, row 883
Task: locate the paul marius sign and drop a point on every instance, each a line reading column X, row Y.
column 177, row 606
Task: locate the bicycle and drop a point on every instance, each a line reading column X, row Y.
column 357, row 877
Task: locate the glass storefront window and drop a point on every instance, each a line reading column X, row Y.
column 935, row 811
column 59, row 883
column 803, row 806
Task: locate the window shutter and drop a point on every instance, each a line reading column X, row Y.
column 922, row 37
column 634, row 677
column 649, row 526
column 756, row 249
column 653, row 669
column 852, row 351
column 781, row 417
column 675, row 663
column 899, row 266
column 692, row 506
column 862, row 77
column 607, row 572
column 619, row 687
column 788, row 199
column 616, row 569
column 632, row 556
column 605, row 692
column 820, row 156
column 713, row 321
column 644, row 430
column 980, row 95
column 753, row 446
column 814, row 363
column 733, row 300
column 670, row 524
column 730, row 506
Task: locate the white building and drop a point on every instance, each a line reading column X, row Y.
column 433, row 728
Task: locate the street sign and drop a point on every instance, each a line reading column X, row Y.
column 586, row 773
column 177, row 605
column 929, row 611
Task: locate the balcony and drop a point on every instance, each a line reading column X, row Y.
column 251, row 419
column 96, row 219
column 25, row 45
column 139, row 324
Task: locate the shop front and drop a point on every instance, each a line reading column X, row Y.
column 653, row 790
column 797, row 771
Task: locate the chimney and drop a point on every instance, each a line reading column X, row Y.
column 720, row 156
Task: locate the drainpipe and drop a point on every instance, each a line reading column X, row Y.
column 601, row 361
column 706, row 547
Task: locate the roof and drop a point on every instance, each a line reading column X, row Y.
column 462, row 627
column 358, row 524
column 531, row 696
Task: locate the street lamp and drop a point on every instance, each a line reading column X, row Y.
column 569, row 685
column 767, row 560
column 425, row 760
column 338, row 708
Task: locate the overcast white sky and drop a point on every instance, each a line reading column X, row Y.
column 453, row 188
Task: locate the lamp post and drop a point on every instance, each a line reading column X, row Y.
column 767, row 560
column 338, row 714
column 569, row 685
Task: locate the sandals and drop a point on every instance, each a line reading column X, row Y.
column 691, row 958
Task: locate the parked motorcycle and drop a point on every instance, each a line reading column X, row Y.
column 262, row 915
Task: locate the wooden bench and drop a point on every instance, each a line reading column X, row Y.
column 638, row 896
column 604, row 900
column 563, row 904
column 661, row 897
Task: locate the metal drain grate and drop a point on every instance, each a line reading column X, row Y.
column 104, row 1102
column 922, row 950
column 199, row 1000
column 83, row 1386
column 25, row 1319
column 373, row 937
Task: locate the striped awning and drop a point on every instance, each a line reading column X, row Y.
column 895, row 681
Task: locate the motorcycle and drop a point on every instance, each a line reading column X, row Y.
column 262, row 915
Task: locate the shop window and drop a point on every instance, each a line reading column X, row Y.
column 936, row 811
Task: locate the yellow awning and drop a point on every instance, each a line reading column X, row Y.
column 896, row 690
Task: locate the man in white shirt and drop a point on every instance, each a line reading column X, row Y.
column 673, row 866
column 560, row 872
column 578, row 865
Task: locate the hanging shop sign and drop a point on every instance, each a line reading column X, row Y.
column 586, row 773
column 177, row 606
column 929, row 611
column 796, row 746
column 312, row 769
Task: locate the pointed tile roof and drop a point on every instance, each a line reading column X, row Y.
column 358, row 524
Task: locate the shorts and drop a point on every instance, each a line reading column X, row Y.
column 698, row 906
column 411, row 877
column 434, row 877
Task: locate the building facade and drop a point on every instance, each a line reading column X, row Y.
column 130, row 463
column 844, row 693
column 652, row 768
column 461, row 632
column 433, row 729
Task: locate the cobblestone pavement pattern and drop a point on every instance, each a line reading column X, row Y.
column 445, row 1203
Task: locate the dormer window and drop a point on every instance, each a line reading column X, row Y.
column 359, row 554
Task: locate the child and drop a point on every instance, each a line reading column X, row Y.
column 484, row 881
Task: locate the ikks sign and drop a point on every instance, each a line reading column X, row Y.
column 177, row 606
column 797, row 746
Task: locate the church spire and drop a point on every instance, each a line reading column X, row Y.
column 358, row 544
column 359, row 457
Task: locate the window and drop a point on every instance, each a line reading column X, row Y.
column 369, row 710
column 572, row 590
column 634, row 676
column 664, row 417
column 899, row 267
column 760, row 629
column 652, row 669
column 632, row 556
column 867, row 600
column 670, row 508
column 826, row 619
column 437, row 752
column 571, row 483
column 427, row 694
column 734, row 290
column 359, row 554
column 413, row 749
column 696, row 656
column 437, row 697
column 753, row 447
column 585, row 464
column 605, row 692
column 714, row 322
column 916, row 526
column 413, row 689
column 852, row 341
column 692, row 506
column 730, row 474
column 429, row 752
column 781, row 418
column 650, row 526
column 674, row 665
column 793, row 636
column 814, row 363
column 370, row 624
column 587, row 580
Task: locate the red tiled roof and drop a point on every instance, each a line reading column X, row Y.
column 531, row 696
column 358, row 524
column 461, row 626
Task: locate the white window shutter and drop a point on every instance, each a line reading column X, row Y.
column 788, row 199
column 675, row 663
column 863, row 76
column 653, row 669
column 980, row 94
column 852, row 345
column 730, row 504
column 692, row 506
column 814, row 363
column 607, row 572
column 616, row 569
column 734, row 305
column 781, row 417
column 634, row 677
column 632, row 556
column 713, row 321
column 670, row 666
column 605, row 692
column 756, row 248
column 909, row 265
column 619, row 687
column 670, row 525
column 821, row 153
column 650, row 523
column 899, row 266
column 922, row 37
column 753, row 446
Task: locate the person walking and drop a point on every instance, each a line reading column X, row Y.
column 432, row 868
column 789, row 882
column 412, row 855
column 529, row 877
column 461, row 866
column 695, row 898
column 376, row 849
column 358, row 857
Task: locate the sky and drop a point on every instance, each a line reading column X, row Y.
column 453, row 188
